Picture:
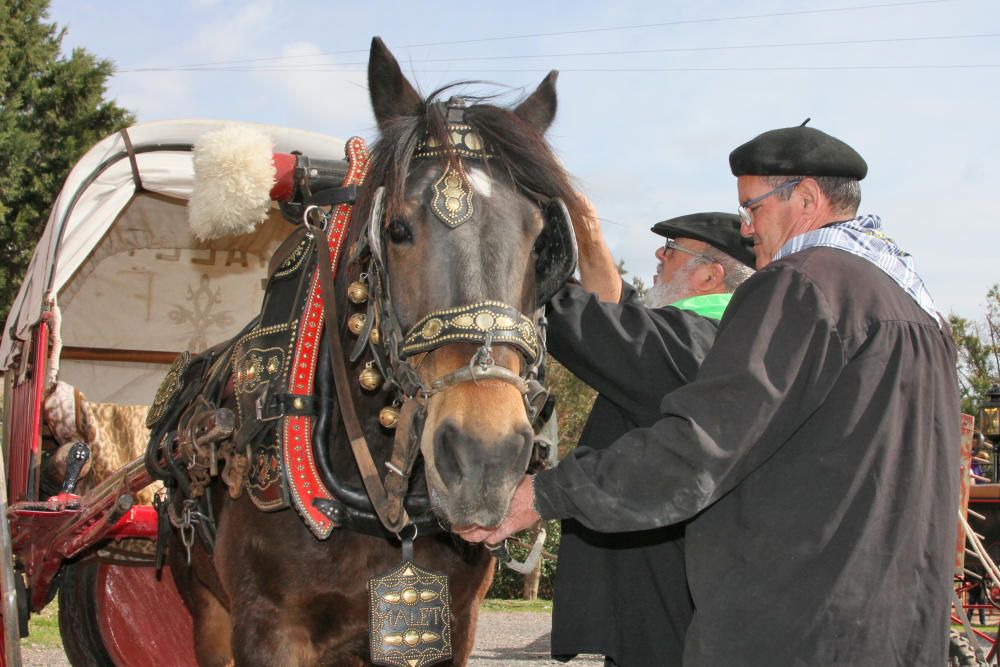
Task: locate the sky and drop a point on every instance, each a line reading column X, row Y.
column 652, row 96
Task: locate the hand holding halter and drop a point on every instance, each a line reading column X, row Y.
column 521, row 515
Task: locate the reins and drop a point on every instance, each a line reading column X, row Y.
column 388, row 506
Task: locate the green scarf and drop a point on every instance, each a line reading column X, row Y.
column 706, row 305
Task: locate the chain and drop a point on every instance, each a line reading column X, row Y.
column 186, row 523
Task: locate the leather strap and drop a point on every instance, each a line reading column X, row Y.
column 404, row 453
column 393, row 518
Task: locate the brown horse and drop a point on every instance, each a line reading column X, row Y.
column 457, row 225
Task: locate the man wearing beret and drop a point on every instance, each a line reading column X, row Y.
column 625, row 595
column 818, row 445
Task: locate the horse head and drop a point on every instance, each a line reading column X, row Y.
column 467, row 213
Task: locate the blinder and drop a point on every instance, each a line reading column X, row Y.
column 555, row 251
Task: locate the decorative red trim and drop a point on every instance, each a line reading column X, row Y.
column 284, row 176
column 304, row 481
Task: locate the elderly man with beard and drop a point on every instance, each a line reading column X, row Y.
column 625, row 595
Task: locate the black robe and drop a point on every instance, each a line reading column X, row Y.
column 623, row 595
column 819, row 448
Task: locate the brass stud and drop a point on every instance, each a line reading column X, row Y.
column 357, row 292
column 388, row 416
column 431, row 328
column 356, row 323
column 370, row 379
column 298, row 403
column 484, row 321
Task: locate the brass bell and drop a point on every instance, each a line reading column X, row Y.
column 357, row 292
column 370, row 379
column 356, row 323
column 388, row 416
column 374, row 336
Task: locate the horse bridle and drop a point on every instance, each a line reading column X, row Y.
column 483, row 322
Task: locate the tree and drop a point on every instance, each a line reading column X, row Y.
column 52, row 109
column 978, row 352
column 637, row 282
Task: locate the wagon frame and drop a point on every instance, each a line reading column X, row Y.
column 117, row 231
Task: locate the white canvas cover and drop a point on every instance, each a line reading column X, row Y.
column 129, row 275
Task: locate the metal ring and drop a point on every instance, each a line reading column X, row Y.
column 324, row 219
column 416, row 531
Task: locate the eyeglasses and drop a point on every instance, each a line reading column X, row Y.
column 746, row 208
column 671, row 244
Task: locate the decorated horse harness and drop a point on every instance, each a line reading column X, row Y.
column 279, row 371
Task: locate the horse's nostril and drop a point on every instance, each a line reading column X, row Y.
column 448, row 452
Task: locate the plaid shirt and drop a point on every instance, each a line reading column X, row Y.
column 864, row 238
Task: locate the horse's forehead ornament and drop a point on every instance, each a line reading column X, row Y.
column 452, row 201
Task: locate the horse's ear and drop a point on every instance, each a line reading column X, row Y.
column 392, row 95
column 540, row 107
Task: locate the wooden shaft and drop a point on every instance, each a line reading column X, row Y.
column 109, row 354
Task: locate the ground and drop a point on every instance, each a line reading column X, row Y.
column 503, row 639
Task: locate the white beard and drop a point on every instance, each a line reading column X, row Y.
column 664, row 294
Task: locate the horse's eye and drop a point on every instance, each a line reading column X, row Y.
column 399, row 231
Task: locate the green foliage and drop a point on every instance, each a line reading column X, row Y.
column 535, row 606
column 637, row 282
column 52, row 109
column 43, row 628
column 978, row 352
column 573, row 402
column 508, row 584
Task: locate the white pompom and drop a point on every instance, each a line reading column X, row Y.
column 233, row 176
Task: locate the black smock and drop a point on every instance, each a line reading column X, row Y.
column 623, row 595
column 819, row 449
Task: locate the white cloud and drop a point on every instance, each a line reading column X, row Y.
column 334, row 102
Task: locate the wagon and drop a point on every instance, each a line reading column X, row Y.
column 117, row 287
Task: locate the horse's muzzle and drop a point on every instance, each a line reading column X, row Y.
column 475, row 475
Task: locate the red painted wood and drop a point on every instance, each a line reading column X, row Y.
column 140, row 521
column 143, row 621
column 23, row 449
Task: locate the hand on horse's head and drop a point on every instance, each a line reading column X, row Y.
column 521, row 515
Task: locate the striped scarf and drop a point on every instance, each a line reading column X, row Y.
column 863, row 237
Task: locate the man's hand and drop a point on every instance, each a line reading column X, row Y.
column 598, row 271
column 522, row 515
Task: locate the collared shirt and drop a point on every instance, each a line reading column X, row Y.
column 706, row 305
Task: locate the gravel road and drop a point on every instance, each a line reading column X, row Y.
column 503, row 639
column 516, row 639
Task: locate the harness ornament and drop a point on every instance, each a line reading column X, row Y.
column 171, row 385
column 409, row 617
column 452, row 202
column 471, row 323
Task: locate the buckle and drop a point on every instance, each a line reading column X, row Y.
column 259, row 407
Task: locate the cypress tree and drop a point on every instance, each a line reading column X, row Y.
column 52, row 109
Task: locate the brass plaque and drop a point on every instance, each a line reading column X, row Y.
column 409, row 617
column 170, row 387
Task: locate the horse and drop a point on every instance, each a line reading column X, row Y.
column 458, row 235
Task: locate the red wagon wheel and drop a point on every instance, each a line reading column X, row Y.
column 122, row 615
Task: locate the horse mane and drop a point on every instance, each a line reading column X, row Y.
column 519, row 152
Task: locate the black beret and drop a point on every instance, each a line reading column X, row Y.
column 719, row 230
column 797, row 151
